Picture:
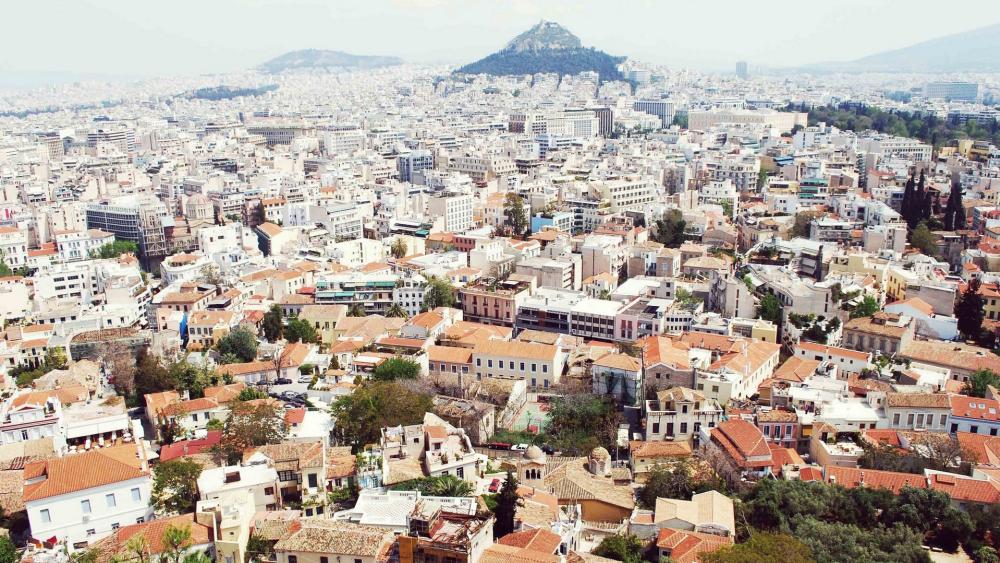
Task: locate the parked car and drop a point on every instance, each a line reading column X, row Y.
column 518, row 447
column 262, row 383
column 495, row 486
column 283, row 381
column 548, row 449
column 305, row 378
column 498, row 445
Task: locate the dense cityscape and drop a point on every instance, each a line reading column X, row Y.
column 554, row 305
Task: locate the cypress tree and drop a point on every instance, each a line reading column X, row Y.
column 954, row 214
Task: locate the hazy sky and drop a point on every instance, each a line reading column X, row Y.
column 149, row 37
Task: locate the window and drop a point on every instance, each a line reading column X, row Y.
column 545, row 368
column 324, row 559
column 312, row 480
column 85, row 506
column 109, row 499
column 293, row 559
column 136, row 494
column 91, row 532
column 684, row 428
column 44, row 513
column 974, row 429
column 895, row 419
column 268, row 490
column 656, row 428
column 909, row 419
column 114, row 525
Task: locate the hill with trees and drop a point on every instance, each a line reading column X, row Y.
column 319, row 58
column 547, row 48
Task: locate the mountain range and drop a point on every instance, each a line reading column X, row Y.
column 971, row 51
column 318, row 58
column 546, row 47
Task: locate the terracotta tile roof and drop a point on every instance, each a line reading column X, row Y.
column 686, row 546
column 956, row 355
column 571, row 481
column 965, row 489
column 742, row 440
column 321, row 535
column 340, row 462
column 449, row 354
column 618, row 361
column 225, row 393
column 193, row 405
column 295, row 416
column 155, row 402
column 542, row 541
column 917, row 304
column 190, row 447
column 832, row 350
column 985, row 449
column 975, row 408
column 918, row 400
column 82, row 471
column 852, row 477
column 399, row 342
column 660, row 350
column 427, row 320
column 500, row 553
column 114, row 545
column 656, row 449
column 526, row 350
column 796, row 369
column 269, row 229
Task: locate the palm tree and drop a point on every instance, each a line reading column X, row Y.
column 176, row 541
column 449, row 486
column 196, row 557
column 397, row 310
column 356, row 310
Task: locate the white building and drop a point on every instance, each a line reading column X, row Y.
column 80, row 498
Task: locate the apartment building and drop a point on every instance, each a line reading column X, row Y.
column 678, row 414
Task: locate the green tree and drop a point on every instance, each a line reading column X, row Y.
column 954, row 214
column 986, row 554
column 55, row 358
column 514, row 216
column 969, row 310
column 396, row 368
column 300, row 330
column 924, row 240
column 115, row 249
column 621, row 547
column 438, row 486
column 273, row 323
column 360, row 416
column 669, row 230
column 507, row 502
column 241, row 343
column 251, row 394
column 977, row 383
column 398, row 248
column 8, row 552
column 769, row 308
column 356, row 310
column 761, row 179
column 259, row 548
column 579, row 423
column 666, row 482
column 176, row 541
column 438, row 293
column 251, row 424
column 175, row 486
column 868, row 307
column 762, row 546
column 5, row 270
column 396, row 310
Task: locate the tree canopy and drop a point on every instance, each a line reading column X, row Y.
column 579, row 423
column 273, row 323
column 977, row 383
column 438, row 486
column 300, row 330
column 438, row 293
column 515, row 219
column 769, row 308
column 360, row 416
column 116, row 249
column 396, row 368
column 626, row 548
column 251, row 424
column 175, row 486
column 241, row 343
column 969, row 310
column 669, row 230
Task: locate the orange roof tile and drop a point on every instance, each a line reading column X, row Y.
column 78, row 472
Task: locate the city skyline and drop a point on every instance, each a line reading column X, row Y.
column 228, row 35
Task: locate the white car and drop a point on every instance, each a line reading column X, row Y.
column 518, row 447
column 305, row 378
